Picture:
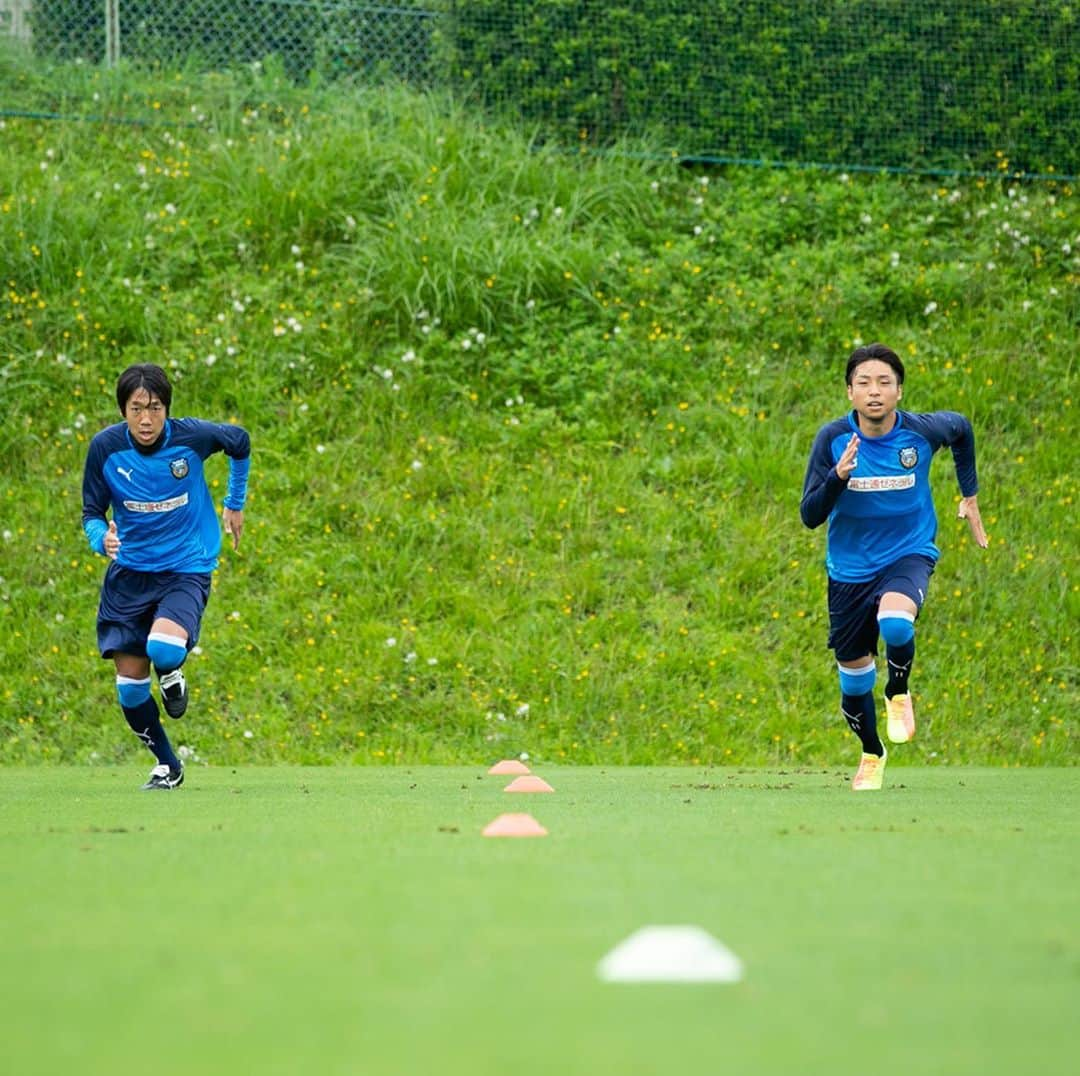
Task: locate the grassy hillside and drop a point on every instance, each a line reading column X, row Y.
column 530, row 430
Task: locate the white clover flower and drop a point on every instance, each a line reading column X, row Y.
column 8, row 536
column 433, row 661
column 248, row 734
column 866, row 218
column 210, row 360
column 930, row 308
column 299, row 267
column 280, row 330
column 294, row 250
column 391, row 642
column 416, row 465
column 410, row 657
column 654, row 186
column 704, row 181
column 170, row 209
column 522, row 710
column 466, row 344
column 991, row 266
column 524, row 756
column 894, row 258
column 320, row 449
column 558, row 211
column 196, row 650
column 409, row 356
column 59, row 618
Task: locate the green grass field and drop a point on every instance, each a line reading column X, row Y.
column 353, row 920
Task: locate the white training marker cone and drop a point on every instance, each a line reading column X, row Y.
column 680, row 954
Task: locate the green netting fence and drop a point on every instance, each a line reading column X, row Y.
column 982, row 86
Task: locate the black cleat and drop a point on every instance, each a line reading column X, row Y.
column 174, row 692
column 164, row 777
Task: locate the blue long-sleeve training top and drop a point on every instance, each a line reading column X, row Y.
column 164, row 512
column 884, row 510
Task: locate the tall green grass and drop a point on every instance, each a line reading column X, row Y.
column 530, row 430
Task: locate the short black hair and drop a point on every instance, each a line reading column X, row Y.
column 143, row 375
column 874, row 351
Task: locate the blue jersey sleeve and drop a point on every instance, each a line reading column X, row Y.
column 96, row 495
column 236, row 494
column 822, row 486
column 950, row 428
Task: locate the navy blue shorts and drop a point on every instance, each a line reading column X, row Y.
column 853, row 607
column 131, row 601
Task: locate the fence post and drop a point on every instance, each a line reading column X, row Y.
column 112, row 32
column 18, row 19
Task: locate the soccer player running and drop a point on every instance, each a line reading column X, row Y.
column 163, row 541
column 869, row 477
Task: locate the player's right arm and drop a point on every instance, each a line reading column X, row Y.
column 823, row 483
column 96, row 498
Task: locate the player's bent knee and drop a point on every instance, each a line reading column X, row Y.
column 896, row 627
column 858, row 681
column 132, row 693
column 167, row 652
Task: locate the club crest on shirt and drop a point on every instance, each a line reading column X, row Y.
column 909, row 457
column 179, row 467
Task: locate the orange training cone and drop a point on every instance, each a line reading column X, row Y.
column 514, row 825
column 509, row 765
column 528, row 784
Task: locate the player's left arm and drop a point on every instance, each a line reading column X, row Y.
column 239, row 453
column 235, row 442
column 953, row 429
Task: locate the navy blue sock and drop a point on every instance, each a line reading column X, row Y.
column 145, row 722
column 899, row 659
column 861, row 714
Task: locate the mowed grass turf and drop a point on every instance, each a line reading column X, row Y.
column 353, row 920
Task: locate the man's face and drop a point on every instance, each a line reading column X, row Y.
column 874, row 391
column 145, row 416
